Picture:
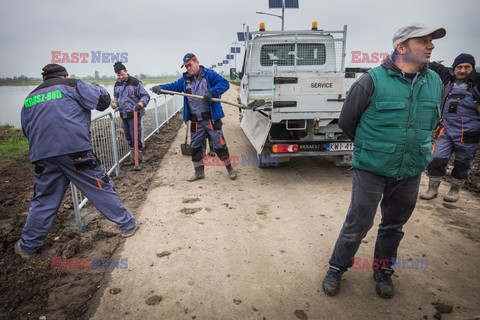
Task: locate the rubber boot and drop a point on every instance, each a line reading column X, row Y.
column 140, row 160
column 19, row 250
column 199, row 174
column 433, row 185
column 132, row 158
column 232, row 174
column 454, row 192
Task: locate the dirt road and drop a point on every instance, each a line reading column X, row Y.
column 258, row 247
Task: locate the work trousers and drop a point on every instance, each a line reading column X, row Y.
column 398, row 199
column 199, row 131
column 52, row 177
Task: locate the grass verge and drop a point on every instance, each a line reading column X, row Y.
column 12, row 142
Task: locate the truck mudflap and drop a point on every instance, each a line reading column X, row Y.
column 256, row 127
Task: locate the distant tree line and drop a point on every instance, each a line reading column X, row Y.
column 24, row 80
column 21, row 80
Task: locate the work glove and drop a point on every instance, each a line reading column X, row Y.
column 156, row 89
column 137, row 107
column 207, row 97
column 114, row 104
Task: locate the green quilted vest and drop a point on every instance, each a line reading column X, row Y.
column 393, row 137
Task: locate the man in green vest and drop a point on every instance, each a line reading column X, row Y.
column 390, row 113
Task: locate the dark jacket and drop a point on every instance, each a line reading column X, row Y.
column 128, row 93
column 460, row 114
column 447, row 76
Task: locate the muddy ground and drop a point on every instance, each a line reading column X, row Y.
column 258, row 247
column 254, row 248
column 30, row 289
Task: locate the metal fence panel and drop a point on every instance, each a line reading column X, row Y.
column 111, row 146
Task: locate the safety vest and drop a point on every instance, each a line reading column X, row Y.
column 393, row 137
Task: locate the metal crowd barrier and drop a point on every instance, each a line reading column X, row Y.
column 110, row 145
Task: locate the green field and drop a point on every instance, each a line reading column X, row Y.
column 12, row 143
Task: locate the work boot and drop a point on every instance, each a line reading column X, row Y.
column 384, row 286
column 199, row 174
column 140, row 160
column 23, row 254
column 132, row 231
column 432, row 192
column 232, row 174
column 331, row 282
column 454, row 192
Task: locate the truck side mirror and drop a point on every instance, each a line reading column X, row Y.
column 233, row 74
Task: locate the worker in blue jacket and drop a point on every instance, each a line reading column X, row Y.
column 205, row 115
column 130, row 96
column 56, row 119
column 459, row 133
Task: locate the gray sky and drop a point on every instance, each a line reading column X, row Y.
column 157, row 33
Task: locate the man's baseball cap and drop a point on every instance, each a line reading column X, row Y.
column 416, row 30
column 187, row 58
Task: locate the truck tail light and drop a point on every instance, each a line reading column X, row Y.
column 285, row 148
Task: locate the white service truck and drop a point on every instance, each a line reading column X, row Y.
column 296, row 83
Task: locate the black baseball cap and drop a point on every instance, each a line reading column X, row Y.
column 187, row 58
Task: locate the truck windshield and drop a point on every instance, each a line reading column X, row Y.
column 307, row 54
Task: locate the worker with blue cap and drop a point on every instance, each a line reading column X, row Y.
column 205, row 114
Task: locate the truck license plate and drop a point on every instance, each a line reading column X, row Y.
column 340, row 146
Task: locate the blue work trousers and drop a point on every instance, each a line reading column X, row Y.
column 52, row 177
column 128, row 128
column 199, row 132
column 445, row 145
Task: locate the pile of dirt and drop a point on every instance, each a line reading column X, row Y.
column 32, row 288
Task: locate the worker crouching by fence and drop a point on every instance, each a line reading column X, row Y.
column 56, row 119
